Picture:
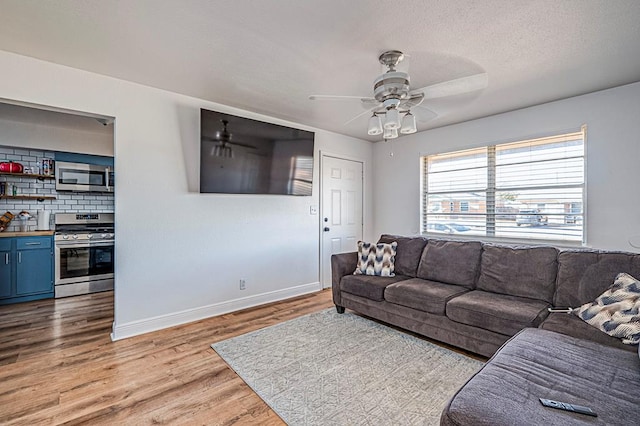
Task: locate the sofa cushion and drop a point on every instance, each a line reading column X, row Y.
column 584, row 274
column 376, row 259
column 451, row 262
column 573, row 326
column 407, row 253
column 542, row 364
column 368, row 286
column 616, row 311
column 519, row 271
column 423, row 295
column 496, row 312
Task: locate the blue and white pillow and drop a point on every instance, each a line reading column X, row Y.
column 376, row 259
column 617, row 310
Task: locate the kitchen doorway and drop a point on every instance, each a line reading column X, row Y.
column 35, row 139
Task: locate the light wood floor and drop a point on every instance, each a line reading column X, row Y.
column 59, row 366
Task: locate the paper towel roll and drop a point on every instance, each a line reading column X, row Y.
column 43, row 218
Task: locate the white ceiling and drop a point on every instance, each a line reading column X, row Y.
column 268, row 56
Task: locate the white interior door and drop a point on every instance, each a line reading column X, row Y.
column 341, row 219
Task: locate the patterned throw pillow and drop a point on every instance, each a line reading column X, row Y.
column 376, row 259
column 617, row 310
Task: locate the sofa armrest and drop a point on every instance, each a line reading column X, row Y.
column 341, row 264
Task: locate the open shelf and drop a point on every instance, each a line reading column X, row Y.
column 29, row 175
column 27, row 197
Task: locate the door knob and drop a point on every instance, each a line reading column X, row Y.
column 326, row 229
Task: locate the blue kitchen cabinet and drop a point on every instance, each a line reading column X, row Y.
column 34, row 270
column 5, row 267
column 27, row 268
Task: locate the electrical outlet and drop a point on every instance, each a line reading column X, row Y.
column 243, row 285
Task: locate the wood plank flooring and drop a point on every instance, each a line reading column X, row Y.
column 59, row 366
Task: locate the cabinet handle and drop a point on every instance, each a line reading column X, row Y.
column 106, row 177
column 19, row 257
column 32, row 244
column 6, row 258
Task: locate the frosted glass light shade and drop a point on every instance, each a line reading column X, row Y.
column 222, row 151
column 408, row 124
column 392, row 119
column 375, row 125
column 390, row 133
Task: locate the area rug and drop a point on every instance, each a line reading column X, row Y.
column 332, row 369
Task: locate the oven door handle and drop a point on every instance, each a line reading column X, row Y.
column 83, row 244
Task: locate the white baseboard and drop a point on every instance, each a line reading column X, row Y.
column 147, row 325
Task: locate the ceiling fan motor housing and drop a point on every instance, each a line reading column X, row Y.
column 224, row 135
column 392, row 84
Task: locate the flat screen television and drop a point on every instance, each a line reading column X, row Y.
column 243, row 156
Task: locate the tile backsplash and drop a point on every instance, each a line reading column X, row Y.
column 65, row 202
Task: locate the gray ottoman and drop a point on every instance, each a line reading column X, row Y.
column 543, row 364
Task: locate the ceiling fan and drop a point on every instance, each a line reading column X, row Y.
column 393, row 97
column 222, row 142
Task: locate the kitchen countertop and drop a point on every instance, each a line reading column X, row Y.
column 26, row 234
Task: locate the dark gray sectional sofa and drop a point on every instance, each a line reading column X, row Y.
column 486, row 297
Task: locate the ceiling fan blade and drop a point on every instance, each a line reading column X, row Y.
column 244, row 145
column 423, row 114
column 370, row 101
column 370, row 110
column 413, row 101
column 366, row 103
column 340, row 98
column 216, row 141
column 458, row 86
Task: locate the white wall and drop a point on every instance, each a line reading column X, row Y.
column 45, row 137
column 612, row 148
column 180, row 254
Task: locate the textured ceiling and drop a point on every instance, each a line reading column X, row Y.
column 268, row 56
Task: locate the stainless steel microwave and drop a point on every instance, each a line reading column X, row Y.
column 83, row 177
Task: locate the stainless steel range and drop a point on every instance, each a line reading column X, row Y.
column 84, row 244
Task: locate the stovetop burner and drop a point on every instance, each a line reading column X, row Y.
column 84, row 226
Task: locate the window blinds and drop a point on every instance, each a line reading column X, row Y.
column 531, row 189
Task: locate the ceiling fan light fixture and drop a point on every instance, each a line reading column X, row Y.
column 392, row 119
column 228, row 152
column 222, row 151
column 390, row 133
column 408, row 124
column 375, row 125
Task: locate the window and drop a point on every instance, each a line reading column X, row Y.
column 531, row 189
